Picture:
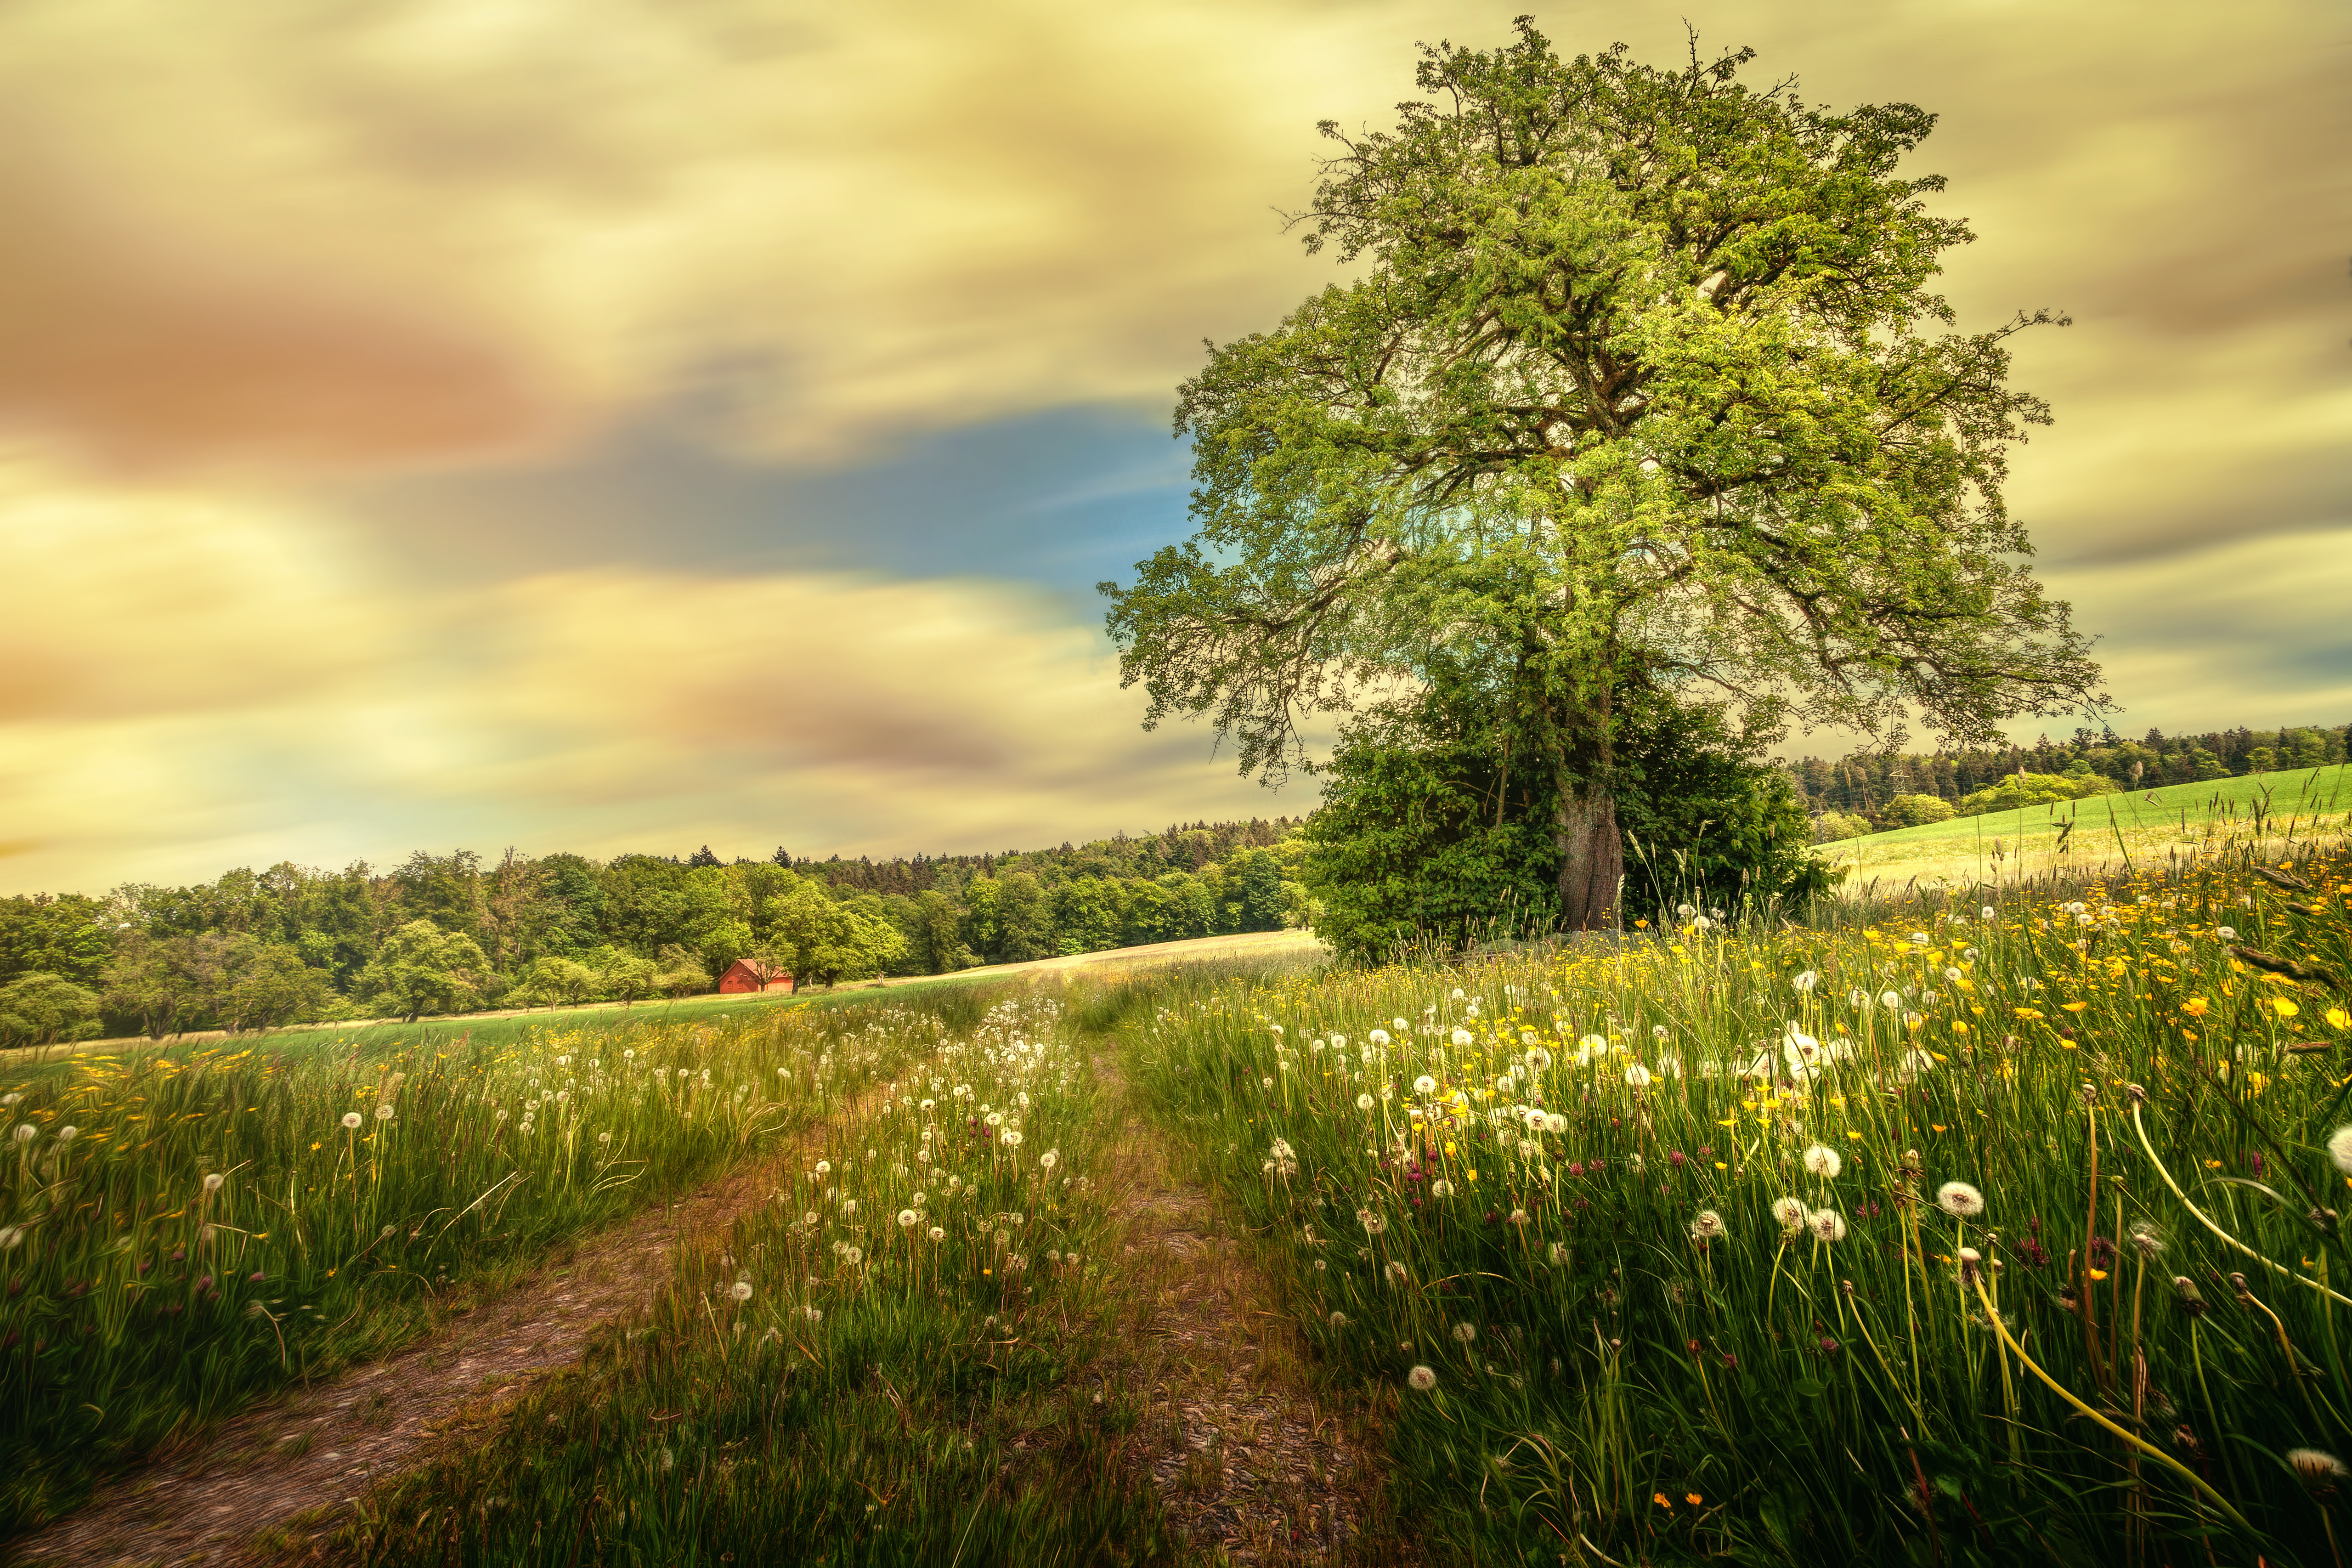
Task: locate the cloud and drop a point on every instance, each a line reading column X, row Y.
column 133, row 346
column 233, row 695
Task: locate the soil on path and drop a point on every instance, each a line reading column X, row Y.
column 1245, row 1454
column 293, row 1467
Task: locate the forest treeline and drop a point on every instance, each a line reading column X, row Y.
column 1868, row 791
column 448, row 932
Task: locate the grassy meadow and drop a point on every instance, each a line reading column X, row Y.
column 2079, row 837
column 1995, row 1225
column 1991, row 1232
column 884, row 1364
column 182, row 1230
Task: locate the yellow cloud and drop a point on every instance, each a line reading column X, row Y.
column 356, row 235
column 207, row 689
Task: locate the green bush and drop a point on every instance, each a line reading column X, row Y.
column 1433, row 827
column 1917, row 810
column 2023, row 789
column 1831, row 825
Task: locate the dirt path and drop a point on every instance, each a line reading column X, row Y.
column 1245, row 1456
column 290, row 1468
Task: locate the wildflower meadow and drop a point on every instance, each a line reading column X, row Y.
column 1982, row 1226
column 884, row 1363
column 1978, row 1228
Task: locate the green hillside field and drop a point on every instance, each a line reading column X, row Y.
column 2085, row 834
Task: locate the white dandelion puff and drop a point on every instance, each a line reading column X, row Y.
column 1825, row 1162
column 1959, row 1200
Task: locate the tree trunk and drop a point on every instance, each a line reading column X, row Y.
column 1592, row 854
column 1591, row 857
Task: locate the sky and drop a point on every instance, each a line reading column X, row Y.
column 629, row 425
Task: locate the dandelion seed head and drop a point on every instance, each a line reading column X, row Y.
column 1421, row 1379
column 2315, row 1466
column 1707, row 1226
column 741, row 1289
column 212, row 1180
column 1424, row 1085
column 1827, row 1225
column 1959, row 1200
column 1824, row 1161
column 350, row 1121
column 1790, row 1212
column 1466, row 1332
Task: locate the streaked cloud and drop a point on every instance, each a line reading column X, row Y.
column 599, row 711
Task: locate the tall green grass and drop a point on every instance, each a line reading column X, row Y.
column 182, row 1230
column 1658, row 1238
column 885, row 1366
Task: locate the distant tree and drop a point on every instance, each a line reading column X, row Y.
column 702, row 856
column 682, row 973
column 555, row 981
column 719, row 948
column 1636, row 379
column 1085, row 919
column 262, row 984
column 40, row 1009
column 935, row 934
column 627, row 976
column 1256, row 876
column 1917, row 810
column 69, row 937
column 1833, row 826
column 823, row 943
column 422, row 969
column 782, row 857
column 162, row 986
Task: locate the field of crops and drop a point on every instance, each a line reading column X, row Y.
column 1987, row 1227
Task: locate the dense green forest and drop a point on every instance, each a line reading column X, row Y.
column 1870, row 791
column 448, row 933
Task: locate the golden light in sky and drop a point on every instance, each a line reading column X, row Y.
column 619, row 426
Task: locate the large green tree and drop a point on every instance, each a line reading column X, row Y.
column 1639, row 380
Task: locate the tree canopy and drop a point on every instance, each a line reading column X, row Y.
column 1639, row 382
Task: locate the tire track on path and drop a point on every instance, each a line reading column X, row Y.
column 1248, row 1459
column 294, row 1465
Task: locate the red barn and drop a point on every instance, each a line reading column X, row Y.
column 751, row 974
